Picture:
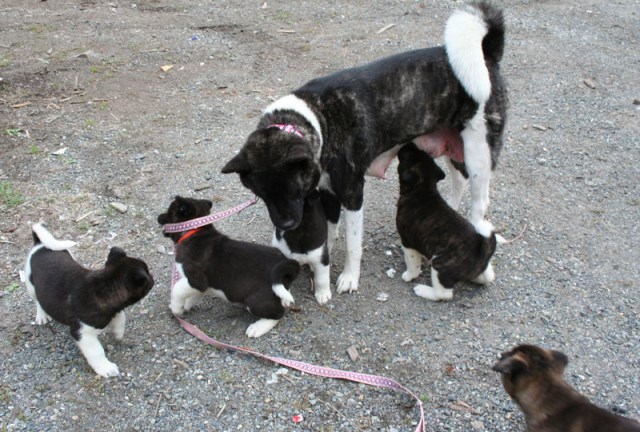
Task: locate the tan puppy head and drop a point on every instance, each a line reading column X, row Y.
column 529, row 365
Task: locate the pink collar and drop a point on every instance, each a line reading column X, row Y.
column 287, row 128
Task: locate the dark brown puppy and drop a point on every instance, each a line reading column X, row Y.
column 430, row 228
column 532, row 376
column 207, row 261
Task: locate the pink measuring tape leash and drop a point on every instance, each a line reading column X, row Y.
column 372, row 380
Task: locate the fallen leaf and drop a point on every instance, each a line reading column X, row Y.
column 165, row 68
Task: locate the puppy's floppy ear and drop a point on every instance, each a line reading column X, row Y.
column 115, row 254
column 238, row 164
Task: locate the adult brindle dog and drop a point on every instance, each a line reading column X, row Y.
column 449, row 100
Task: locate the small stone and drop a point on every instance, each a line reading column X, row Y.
column 477, row 425
column 162, row 250
column 382, row 297
column 539, row 127
column 589, row 83
column 120, row 207
column 353, row 353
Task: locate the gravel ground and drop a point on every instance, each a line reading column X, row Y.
column 85, row 76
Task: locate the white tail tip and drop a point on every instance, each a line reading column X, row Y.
column 49, row 241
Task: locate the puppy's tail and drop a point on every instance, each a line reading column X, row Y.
column 472, row 37
column 282, row 275
column 42, row 235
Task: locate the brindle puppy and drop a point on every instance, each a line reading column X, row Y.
column 532, row 376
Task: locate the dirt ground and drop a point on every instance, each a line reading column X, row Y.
column 132, row 102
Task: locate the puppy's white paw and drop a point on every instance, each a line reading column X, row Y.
column 430, row 293
column 347, row 282
column 106, row 369
column 191, row 302
column 486, row 277
column 408, row 275
column 284, row 295
column 260, row 327
column 42, row 318
column 323, row 294
column 177, row 307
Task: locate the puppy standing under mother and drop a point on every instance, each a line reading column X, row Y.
column 331, row 132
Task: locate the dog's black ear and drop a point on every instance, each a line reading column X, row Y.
column 510, row 365
column 238, row 164
column 560, row 358
column 313, row 196
column 115, row 254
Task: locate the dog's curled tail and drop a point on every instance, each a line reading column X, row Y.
column 282, row 275
column 42, row 235
column 473, row 36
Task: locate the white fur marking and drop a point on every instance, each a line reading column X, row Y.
column 477, row 159
column 484, row 228
column 463, row 36
column 413, row 261
column 294, row 103
column 117, row 325
column 350, row 276
column 49, row 241
column 458, row 184
column 94, row 353
column 261, row 326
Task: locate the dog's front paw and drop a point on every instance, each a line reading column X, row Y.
column 177, row 308
column 408, row 275
column 42, row 318
column 433, row 294
column 260, row 327
column 106, row 369
column 323, row 294
column 191, row 302
column 347, row 282
column 486, row 277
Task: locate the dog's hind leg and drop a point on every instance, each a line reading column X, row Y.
column 413, row 261
column 181, row 294
column 350, row 277
column 486, row 277
column 437, row 292
column 94, row 353
column 41, row 316
column 458, row 184
column 477, row 160
column 117, row 325
column 261, row 327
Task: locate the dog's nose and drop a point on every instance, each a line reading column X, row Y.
column 287, row 224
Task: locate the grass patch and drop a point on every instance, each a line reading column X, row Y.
column 5, row 62
column 13, row 132
column 9, row 196
column 12, row 287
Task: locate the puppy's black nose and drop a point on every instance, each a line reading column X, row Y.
column 287, row 224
